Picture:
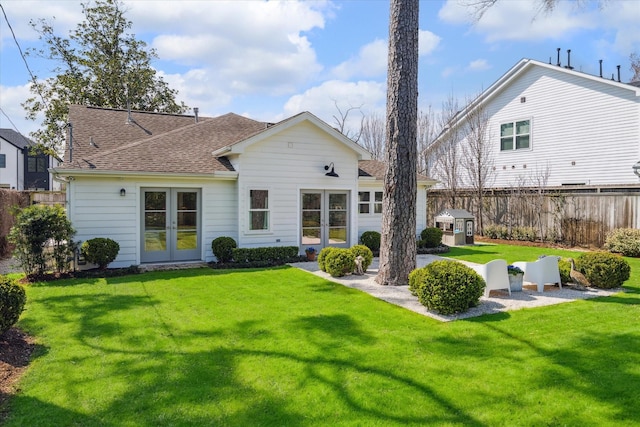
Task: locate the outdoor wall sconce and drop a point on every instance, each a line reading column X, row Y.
column 123, row 192
column 332, row 172
column 636, row 169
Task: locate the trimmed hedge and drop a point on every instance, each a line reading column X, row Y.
column 12, row 301
column 100, row 250
column 603, row 269
column 265, row 254
column 447, row 287
column 624, row 241
column 339, row 262
column 430, row 237
column 371, row 239
column 222, row 248
column 365, row 252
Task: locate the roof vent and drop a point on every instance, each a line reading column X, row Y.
column 195, row 113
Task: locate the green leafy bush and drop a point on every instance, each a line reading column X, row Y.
column 365, row 252
column 339, row 261
column 431, row 237
column 267, row 254
column 624, row 241
column 603, row 269
column 416, row 279
column 12, row 300
column 41, row 234
column 371, row 239
column 322, row 255
column 100, row 250
column 565, row 270
column 496, row 232
column 447, row 287
column 223, row 247
column 527, row 234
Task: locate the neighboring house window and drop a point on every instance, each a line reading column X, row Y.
column 36, row 164
column 258, row 209
column 3, row 160
column 377, row 202
column 515, row 135
column 365, row 202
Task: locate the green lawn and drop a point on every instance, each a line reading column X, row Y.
column 282, row 347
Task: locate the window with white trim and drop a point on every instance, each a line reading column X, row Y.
column 515, row 135
column 258, row 210
column 368, row 204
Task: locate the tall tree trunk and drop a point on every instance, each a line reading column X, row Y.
column 398, row 237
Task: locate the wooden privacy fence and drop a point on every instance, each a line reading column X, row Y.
column 578, row 215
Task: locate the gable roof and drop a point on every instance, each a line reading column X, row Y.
column 513, row 74
column 16, row 139
column 375, row 169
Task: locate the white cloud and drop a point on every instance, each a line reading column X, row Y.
column 427, row 42
column 371, row 61
column 321, row 100
column 12, row 97
column 478, row 65
column 522, row 20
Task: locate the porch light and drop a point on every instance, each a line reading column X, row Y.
column 636, row 169
column 332, row 172
column 123, row 192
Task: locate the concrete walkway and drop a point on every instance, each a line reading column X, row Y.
column 498, row 301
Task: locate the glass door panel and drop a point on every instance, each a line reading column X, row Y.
column 155, row 226
column 324, row 219
column 311, row 219
column 184, row 228
column 337, row 219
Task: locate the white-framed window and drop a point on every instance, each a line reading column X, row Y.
column 364, row 199
column 258, row 210
column 515, row 135
column 370, row 202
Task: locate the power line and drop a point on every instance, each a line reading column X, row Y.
column 33, row 78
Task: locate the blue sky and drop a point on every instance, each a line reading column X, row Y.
column 270, row 60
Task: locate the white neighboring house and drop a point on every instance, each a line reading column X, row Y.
column 164, row 186
column 20, row 169
column 551, row 125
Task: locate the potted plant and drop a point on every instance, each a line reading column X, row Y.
column 311, row 253
column 515, row 278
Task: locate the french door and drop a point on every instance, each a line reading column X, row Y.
column 170, row 224
column 324, row 219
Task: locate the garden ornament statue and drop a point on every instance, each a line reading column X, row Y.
column 359, row 271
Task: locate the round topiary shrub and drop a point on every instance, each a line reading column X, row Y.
column 431, row 237
column 100, row 250
column 12, row 300
column 371, row 239
column 339, row 261
column 366, row 254
column 624, row 241
column 416, row 278
column 322, row 256
column 222, row 248
column 447, row 287
column 603, row 269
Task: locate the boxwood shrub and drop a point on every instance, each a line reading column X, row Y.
column 322, row 257
column 431, row 237
column 267, row 254
column 222, row 248
column 100, row 250
column 371, row 239
column 624, row 241
column 603, row 269
column 339, row 261
column 447, row 287
column 12, row 300
column 365, row 252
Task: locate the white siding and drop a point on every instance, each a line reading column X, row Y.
column 96, row 209
column 11, row 175
column 285, row 164
column 582, row 130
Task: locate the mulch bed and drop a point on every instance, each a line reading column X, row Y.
column 16, row 348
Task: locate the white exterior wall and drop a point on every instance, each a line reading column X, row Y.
column 12, row 174
column 584, row 131
column 285, row 164
column 96, row 209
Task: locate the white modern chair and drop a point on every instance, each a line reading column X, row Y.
column 543, row 271
column 495, row 274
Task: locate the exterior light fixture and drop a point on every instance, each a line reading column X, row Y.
column 123, row 192
column 332, row 172
column 636, row 169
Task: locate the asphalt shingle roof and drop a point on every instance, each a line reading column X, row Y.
column 15, row 138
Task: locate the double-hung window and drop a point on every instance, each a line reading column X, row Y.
column 515, row 135
column 258, row 210
column 368, row 204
